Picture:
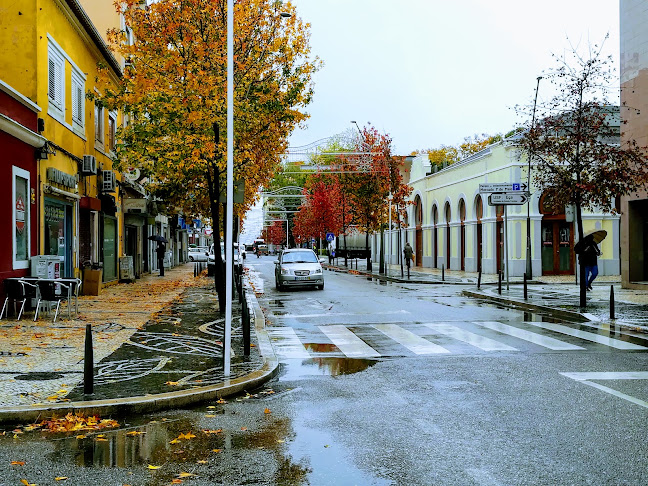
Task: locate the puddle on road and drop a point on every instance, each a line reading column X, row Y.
column 296, row 369
column 178, row 445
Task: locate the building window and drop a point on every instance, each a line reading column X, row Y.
column 99, row 124
column 78, row 100
column 112, row 131
column 20, row 226
column 56, row 81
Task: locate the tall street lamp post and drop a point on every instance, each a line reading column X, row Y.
column 529, row 269
column 229, row 244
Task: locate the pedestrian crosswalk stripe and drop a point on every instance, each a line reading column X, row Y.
column 288, row 344
column 411, row 341
column 532, row 337
column 473, row 339
column 347, row 342
column 588, row 336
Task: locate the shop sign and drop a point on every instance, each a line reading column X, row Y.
column 54, row 214
column 59, row 177
column 135, row 205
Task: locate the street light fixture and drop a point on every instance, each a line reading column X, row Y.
column 529, row 267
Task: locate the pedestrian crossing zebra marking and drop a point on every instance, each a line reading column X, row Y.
column 416, row 344
column 532, row 337
column 347, row 342
column 343, row 341
column 588, row 336
column 611, row 375
column 481, row 342
column 288, row 343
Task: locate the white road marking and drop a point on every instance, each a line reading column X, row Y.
column 611, row 375
column 411, row 341
column 532, row 337
column 288, row 344
column 335, row 314
column 588, row 336
column 347, row 342
column 473, row 339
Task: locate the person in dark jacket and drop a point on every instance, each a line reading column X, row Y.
column 589, row 259
column 408, row 252
column 161, row 250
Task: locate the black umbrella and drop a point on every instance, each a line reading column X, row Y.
column 158, row 238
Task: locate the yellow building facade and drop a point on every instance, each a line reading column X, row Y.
column 452, row 225
column 50, row 55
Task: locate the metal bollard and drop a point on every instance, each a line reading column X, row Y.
column 612, row 302
column 526, row 294
column 88, row 363
column 246, row 327
column 479, row 280
column 499, row 283
column 443, row 272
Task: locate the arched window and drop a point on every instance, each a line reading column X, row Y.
column 418, row 211
column 479, row 208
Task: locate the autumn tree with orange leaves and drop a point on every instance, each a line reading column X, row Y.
column 275, row 233
column 174, row 91
column 320, row 212
column 370, row 185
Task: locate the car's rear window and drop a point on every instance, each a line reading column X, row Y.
column 299, row 256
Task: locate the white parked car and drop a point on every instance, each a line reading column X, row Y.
column 198, row 254
column 238, row 258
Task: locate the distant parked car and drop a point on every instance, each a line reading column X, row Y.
column 211, row 259
column 198, row 254
column 298, row 267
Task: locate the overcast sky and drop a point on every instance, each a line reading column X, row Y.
column 430, row 72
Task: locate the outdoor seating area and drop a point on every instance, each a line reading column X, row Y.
column 40, row 294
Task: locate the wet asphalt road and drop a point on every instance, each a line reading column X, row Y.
column 463, row 416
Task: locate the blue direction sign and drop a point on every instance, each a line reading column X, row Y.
column 330, row 237
column 502, row 187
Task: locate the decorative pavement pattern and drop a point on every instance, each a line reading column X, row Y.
column 179, row 348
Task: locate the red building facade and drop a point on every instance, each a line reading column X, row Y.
column 20, row 148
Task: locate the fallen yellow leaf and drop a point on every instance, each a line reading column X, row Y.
column 267, row 410
column 154, row 467
column 60, row 478
column 17, row 463
column 185, row 475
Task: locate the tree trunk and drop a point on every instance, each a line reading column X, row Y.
column 213, row 185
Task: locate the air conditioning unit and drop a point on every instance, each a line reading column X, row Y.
column 108, row 181
column 89, row 165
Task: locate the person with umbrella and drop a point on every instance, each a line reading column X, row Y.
column 160, row 251
column 588, row 252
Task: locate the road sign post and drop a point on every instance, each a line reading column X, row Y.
column 502, row 187
column 507, row 198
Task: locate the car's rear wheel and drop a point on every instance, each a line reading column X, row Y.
column 191, row 259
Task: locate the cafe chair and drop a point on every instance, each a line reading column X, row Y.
column 17, row 290
column 51, row 291
column 75, row 286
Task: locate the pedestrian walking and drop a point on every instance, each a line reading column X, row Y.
column 408, row 253
column 161, row 250
column 588, row 254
